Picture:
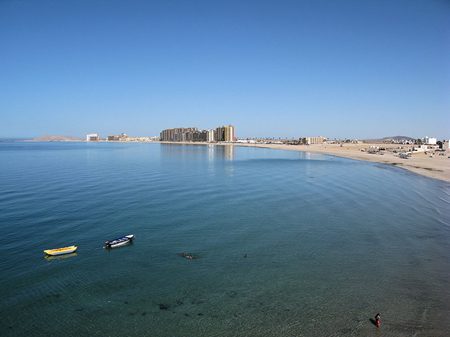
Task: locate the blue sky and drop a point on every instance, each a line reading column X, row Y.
column 338, row 68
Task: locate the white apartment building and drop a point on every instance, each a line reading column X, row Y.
column 430, row 140
column 313, row 140
column 210, row 136
column 92, row 137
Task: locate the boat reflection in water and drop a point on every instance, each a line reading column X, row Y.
column 59, row 257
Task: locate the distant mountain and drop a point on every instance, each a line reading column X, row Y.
column 56, row 138
column 387, row 139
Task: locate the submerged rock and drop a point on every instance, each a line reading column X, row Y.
column 163, row 306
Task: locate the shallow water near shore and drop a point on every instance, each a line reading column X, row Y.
column 287, row 243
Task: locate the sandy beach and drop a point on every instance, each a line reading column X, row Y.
column 437, row 167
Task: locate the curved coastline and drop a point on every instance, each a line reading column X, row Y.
column 436, row 167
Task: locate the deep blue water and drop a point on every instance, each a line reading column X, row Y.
column 288, row 243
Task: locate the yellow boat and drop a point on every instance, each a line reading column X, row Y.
column 61, row 251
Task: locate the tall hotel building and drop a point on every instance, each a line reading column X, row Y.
column 177, row 135
column 210, row 136
column 225, row 133
column 220, row 134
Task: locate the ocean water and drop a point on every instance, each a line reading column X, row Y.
column 287, row 243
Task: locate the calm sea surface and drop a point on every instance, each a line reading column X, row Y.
column 288, row 243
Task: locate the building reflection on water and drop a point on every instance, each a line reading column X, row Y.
column 190, row 152
column 224, row 151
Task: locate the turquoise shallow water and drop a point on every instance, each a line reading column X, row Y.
column 289, row 244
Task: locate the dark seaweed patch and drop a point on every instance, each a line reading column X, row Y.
column 163, row 306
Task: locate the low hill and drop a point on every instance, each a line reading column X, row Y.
column 56, row 138
column 390, row 139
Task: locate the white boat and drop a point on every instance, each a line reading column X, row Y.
column 125, row 240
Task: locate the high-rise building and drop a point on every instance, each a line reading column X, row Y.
column 229, row 133
column 178, row 135
column 200, row 136
column 225, row 133
column 220, row 134
column 210, row 136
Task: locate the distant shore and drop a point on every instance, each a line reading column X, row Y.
column 437, row 167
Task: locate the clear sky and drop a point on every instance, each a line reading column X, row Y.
column 337, row 68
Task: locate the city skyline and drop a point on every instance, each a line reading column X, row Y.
column 275, row 69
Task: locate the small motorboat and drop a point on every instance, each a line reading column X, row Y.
column 61, row 251
column 125, row 240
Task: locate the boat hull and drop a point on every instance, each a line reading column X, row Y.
column 61, row 251
column 123, row 241
column 120, row 244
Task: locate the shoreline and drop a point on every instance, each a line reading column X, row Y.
column 437, row 167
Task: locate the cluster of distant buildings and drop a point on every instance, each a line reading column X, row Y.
column 227, row 134
column 220, row 134
column 429, row 140
column 292, row 141
column 224, row 133
column 309, row 140
column 123, row 137
column 428, row 143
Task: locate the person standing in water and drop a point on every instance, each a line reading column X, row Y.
column 378, row 320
